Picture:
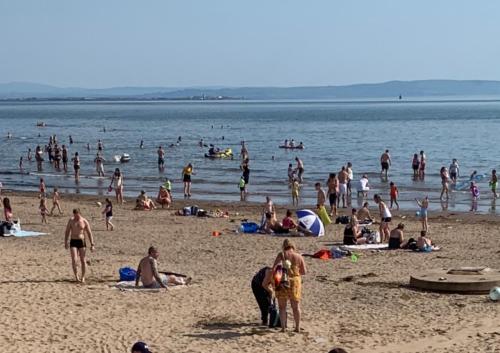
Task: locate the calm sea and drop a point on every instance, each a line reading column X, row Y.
column 333, row 133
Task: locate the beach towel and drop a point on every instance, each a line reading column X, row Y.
column 27, row 233
column 366, row 247
column 323, row 254
column 23, row 233
column 129, row 286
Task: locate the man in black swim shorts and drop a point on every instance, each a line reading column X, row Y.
column 77, row 228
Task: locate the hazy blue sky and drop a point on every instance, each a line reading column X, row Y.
column 105, row 43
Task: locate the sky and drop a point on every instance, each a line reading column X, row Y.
column 96, row 43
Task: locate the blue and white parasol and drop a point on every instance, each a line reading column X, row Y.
column 310, row 221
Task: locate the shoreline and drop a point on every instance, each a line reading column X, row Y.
column 256, row 207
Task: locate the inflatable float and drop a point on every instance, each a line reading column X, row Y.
column 227, row 153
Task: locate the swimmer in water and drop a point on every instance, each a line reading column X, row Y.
column 142, row 144
column 70, row 140
column 30, row 156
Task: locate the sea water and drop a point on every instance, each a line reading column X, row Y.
column 333, row 133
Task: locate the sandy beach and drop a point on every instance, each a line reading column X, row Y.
column 365, row 306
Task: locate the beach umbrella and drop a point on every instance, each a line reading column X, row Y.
column 310, row 221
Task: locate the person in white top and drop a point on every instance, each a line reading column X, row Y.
column 363, row 187
column 385, row 218
column 350, row 176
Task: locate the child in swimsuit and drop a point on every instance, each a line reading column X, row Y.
column 43, row 209
column 394, row 194
column 424, row 205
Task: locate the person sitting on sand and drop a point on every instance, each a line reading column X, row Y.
column 7, row 210
column 163, row 197
column 364, row 215
column 351, row 230
column 424, row 243
column 272, row 226
column 289, row 224
column 396, row 237
column 145, row 202
column 293, row 263
column 147, row 273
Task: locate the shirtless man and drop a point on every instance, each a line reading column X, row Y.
column 321, row 197
column 333, row 193
column 100, row 146
column 147, row 272
column 161, row 157
column 385, row 162
column 299, row 169
column 343, row 178
column 77, row 228
column 364, row 213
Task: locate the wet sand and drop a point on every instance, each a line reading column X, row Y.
column 364, row 307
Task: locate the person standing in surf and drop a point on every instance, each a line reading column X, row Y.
column 444, row 182
column 65, row 158
column 385, row 163
column 161, row 158
column 76, row 165
column 186, row 179
column 423, row 161
column 299, row 169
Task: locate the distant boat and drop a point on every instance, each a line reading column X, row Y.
column 40, row 124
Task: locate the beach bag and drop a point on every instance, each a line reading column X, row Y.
column 373, row 237
column 274, row 315
column 249, row 227
column 127, row 274
column 342, row 220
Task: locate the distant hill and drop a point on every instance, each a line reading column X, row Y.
column 391, row 89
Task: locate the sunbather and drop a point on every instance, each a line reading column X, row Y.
column 147, row 273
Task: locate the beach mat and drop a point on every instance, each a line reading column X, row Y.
column 366, row 247
column 129, row 286
column 24, row 234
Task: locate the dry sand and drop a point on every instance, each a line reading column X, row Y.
column 363, row 307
